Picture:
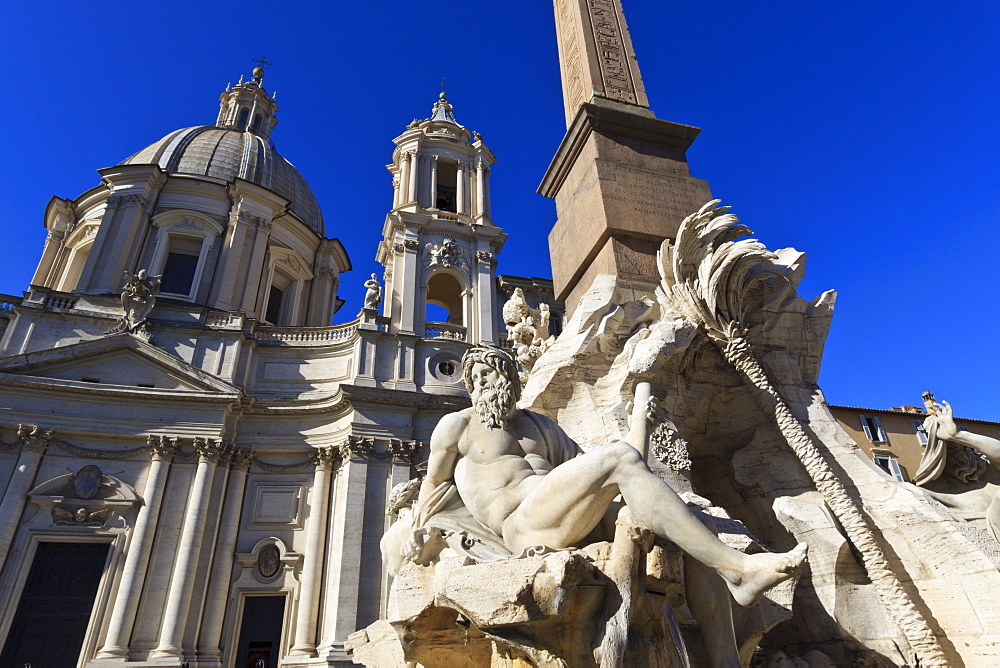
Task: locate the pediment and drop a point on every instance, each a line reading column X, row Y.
column 121, row 360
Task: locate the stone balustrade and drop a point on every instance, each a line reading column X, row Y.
column 299, row 335
column 444, row 330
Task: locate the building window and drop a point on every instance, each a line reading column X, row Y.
column 274, row 299
column 962, row 427
column 181, row 265
column 281, row 300
column 873, row 429
column 890, row 466
column 182, row 244
column 447, row 187
column 918, row 426
column 241, row 120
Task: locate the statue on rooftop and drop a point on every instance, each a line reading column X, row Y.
column 373, row 295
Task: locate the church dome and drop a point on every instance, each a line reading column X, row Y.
column 228, row 153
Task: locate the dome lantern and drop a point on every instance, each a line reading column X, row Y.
column 247, row 107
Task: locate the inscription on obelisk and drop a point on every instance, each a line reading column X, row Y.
column 596, row 54
column 620, row 178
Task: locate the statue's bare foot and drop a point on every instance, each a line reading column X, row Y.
column 763, row 571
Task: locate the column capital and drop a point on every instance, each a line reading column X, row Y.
column 33, row 439
column 163, row 447
column 130, row 199
column 326, row 459
column 242, row 458
column 404, row 452
column 357, row 448
column 210, row 450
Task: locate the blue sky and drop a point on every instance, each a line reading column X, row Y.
column 865, row 136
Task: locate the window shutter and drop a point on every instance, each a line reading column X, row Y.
column 864, row 425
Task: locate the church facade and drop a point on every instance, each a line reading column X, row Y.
column 199, row 474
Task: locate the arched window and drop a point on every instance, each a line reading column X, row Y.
column 241, row 119
column 257, row 121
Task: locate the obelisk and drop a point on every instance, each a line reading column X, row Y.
column 620, row 177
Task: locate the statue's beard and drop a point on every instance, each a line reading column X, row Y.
column 495, row 404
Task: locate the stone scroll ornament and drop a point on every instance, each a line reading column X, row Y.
column 708, row 275
column 138, row 300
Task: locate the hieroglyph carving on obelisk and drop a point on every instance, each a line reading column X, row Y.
column 596, row 54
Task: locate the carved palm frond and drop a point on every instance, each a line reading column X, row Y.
column 708, row 275
column 709, row 271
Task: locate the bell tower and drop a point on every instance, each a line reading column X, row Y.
column 439, row 242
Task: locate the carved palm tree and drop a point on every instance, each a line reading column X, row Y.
column 709, row 275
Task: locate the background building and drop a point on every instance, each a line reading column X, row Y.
column 895, row 438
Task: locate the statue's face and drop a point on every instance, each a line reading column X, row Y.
column 484, row 378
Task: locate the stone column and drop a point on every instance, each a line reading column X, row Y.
column 480, row 189
column 250, row 290
column 210, row 638
column 175, row 615
column 404, row 180
column 312, row 569
column 407, row 280
column 434, row 182
column 50, row 253
column 460, row 189
column 414, row 177
column 228, row 283
column 140, row 547
column 341, row 595
column 116, row 245
column 485, row 289
column 487, row 200
column 404, row 454
column 33, row 445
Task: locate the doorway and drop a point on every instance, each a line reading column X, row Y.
column 260, row 632
column 55, row 607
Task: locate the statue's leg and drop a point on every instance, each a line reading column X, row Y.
column 563, row 506
column 710, row 604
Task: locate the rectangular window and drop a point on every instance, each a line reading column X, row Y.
column 181, row 265
column 873, row 429
column 918, row 426
column 447, row 187
column 274, row 299
column 962, row 427
column 890, row 466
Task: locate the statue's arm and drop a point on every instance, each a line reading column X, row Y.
column 444, row 453
column 560, row 446
column 947, row 430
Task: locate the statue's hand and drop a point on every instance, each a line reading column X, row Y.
column 414, row 545
column 946, row 427
column 423, row 545
column 651, row 412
